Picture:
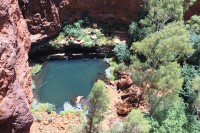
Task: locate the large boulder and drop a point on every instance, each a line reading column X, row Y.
column 124, row 82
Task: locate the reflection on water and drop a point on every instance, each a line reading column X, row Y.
column 62, row 80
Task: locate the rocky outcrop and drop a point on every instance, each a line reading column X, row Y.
column 132, row 95
column 15, row 81
column 45, row 17
column 124, row 82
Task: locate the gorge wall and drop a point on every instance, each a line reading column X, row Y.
column 45, row 17
column 15, row 80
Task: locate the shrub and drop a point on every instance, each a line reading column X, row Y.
column 37, row 107
column 35, row 69
column 189, row 72
column 59, row 42
column 56, row 45
column 194, row 23
column 38, row 118
column 99, row 102
column 116, row 128
column 50, row 107
column 87, row 44
column 101, row 41
column 121, row 51
column 195, row 41
column 73, row 30
column 136, row 123
column 112, row 69
column 74, row 111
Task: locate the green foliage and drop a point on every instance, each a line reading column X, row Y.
column 160, row 13
column 113, row 67
column 169, row 44
column 59, row 42
column 74, row 30
column 192, row 125
column 137, row 31
column 136, row 123
column 189, row 72
column 70, row 111
column 195, row 41
column 99, row 102
column 77, row 128
column 88, row 42
column 121, row 51
column 153, row 123
column 50, row 108
column 134, row 31
column 116, row 128
column 168, row 82
column 60, row 38
column 194, row 23
column 38, row 117
column 35, row 69
column 188, row 3
column 195, row 83
column 43, row 107
column 174, row 119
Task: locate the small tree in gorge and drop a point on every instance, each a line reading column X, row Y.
column 99, row 101
column 136, row 123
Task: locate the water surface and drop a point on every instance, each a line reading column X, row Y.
column 62, row 80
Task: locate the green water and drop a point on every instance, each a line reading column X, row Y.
column 62, row 80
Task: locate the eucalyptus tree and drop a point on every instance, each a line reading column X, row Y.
column 99, row 102
column 169, row 44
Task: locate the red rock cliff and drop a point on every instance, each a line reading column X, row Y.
column 45, row 17
column 15, row 80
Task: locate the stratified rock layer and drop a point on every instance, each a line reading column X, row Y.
column 45, row 17
column 15, row 81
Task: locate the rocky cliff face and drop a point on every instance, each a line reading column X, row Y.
column 45, row 17
column 15, row 81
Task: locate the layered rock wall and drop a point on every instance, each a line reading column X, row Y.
column 15, row 80
column 45, row 17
